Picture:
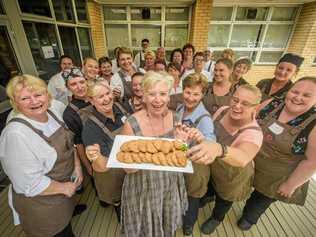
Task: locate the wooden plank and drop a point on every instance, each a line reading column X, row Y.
column 91, row 217
column 98, row 221
column 106, row 222
column 113, row 224
column 233, row 218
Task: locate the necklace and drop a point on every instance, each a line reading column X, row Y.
column 154, row 131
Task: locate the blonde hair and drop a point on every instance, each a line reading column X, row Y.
column 17, row 83
column 150, row 53
column 195, row 79
column 151, row 78
column 255, row 90
column 124, row 50
column 94, row 85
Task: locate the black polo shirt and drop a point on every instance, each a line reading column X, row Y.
column 72, row 118
column 265, row 87
column 93, row 134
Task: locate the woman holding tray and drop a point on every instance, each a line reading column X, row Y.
column 153, row 202
column 104, row 122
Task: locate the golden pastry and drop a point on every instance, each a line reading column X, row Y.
column 150, row 147
column 178, row 144
column 181, row 158
column 136, row 158
column 128, row 158
column 166, row 147
column 157, row 143
column 133, row 146
column 156, row 158
column 121, row 156
column 148, row 157
column 162, row 159
column 142, row 145
column 125, row 146
column 169, row 159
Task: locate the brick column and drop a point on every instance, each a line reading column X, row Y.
column 304, row 39
column 95, row 14
column 201, row 16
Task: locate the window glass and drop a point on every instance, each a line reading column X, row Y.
column 81, row 8
column 270, row 57
column 63, row 10
column 176, row 35
column 284, row 13
column 69, row 43
column 43, row 43
column 314, row 60
column 151, row 32
column 277, row 36
column 85, row 42
column 1, row 8
column 247, row 36
column 221, row 13
column 114, row 13
column 248, row 54
column 35, row 7
column 217, row 54
column 218, row 35
column 251, row 14
column 177, row 13
column 140, row 13
column 116, row 35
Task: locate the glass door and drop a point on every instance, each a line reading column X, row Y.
column 9, row 65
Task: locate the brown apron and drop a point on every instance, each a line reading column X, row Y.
column 213, row 102
column 108, row 184
column 175, row 101
column 231, row 183
column 128, row 93
column 196, row 183
column 266, row 93
column 275, row 162
column 45, row 216
column 83, row 112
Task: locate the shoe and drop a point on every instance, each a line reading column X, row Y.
column 205, row 200
column 103, row 204
column 79, row 209
column 187, row 230
column 118, row 213
column 209, row 226
column 243, row 224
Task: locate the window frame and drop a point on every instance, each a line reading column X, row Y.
column 266, row 23
column 162, row 23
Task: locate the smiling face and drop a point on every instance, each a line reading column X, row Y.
column 192, row 97
column 285, row 71
column 188, row 53
column 177, row 58
column 103, row 99
column 106, row 69
column 125, row 61
column 156, row 98
column 240, row 70
column 174, row 73
column 161, row 53
column 91, row 69
column 199, row 63
column 149, row 61
column 221, row 72
column 301, row 97
column 242, row 106
column 137, row 86
column 66, row 64
column 78, row 87
column 32, row 103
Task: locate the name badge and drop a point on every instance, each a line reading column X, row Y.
column 123, row 119
column 276, row 129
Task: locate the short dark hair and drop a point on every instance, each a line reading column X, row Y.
column 245, row 61
column 136, row 74
column 229, row 63
column 201, row 54
column 160, row 62
column 175, row 66
column 174, row 51
column 63, row 57
column 104, row 60
column 188, row 46
column 145, row 40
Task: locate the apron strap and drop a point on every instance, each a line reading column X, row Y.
column 135, row 126
column 75, row 108
column 56, row 119
column 198, row 120
column 221, row 115
column 120, row 107
column 209, row 67
column 29, row 125
column 101, row 125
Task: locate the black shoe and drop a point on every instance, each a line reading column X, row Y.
column 118, row 212
column 209, row 226
column 79, row 209
column 103, row 204
column 206, row 199
column 187, row 230
column 243, row 224
column 80, row 190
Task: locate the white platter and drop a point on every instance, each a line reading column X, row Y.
column 114, row 163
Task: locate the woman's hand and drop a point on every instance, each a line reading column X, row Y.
column 205, row 152
column 78, row 174
column 130, row 171
column 69, row 188
column 286, row 190
column 187, row 134
column 196, row 135
column 93, row 152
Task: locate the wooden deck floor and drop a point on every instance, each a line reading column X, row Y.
column 279, row 220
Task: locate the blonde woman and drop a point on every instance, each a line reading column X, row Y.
column 153, row 202
column 104, row 122
column 36, row 152
column 150, row 58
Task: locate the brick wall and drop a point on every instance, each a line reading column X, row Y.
column 97, row 31
column 201, row 15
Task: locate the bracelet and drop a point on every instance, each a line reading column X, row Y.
column 224, row 151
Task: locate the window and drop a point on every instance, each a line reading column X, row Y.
column 35, row 7
column 63, row 10
column 163, row 26
column 261, row 33
column 81, row 8
column 69, row 41
column 1, row 8
column 85, row 42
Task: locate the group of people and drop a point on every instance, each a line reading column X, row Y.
column 252, row 143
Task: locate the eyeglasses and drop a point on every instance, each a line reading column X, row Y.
column 199, row 60
column 73, row 72
column 236, row 100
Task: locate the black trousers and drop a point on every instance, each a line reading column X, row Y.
column 66, row 232
column 191, row 214
column 255, row 206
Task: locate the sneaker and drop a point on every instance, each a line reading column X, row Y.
column 103, row 204
column 187, row 230
column 209, row 226
column 79, row 208
column 243, row 224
